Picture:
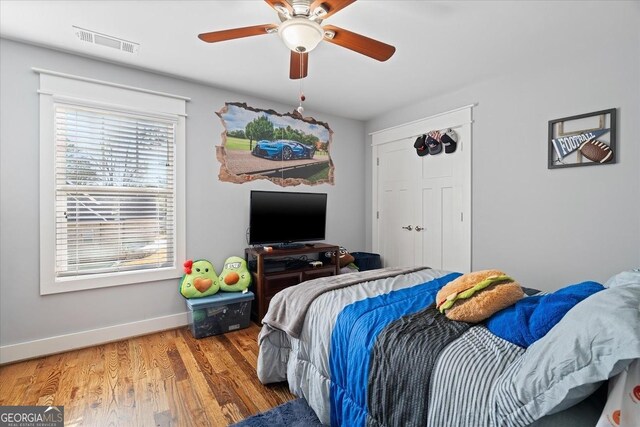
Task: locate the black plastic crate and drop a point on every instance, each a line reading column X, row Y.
column 367, row 261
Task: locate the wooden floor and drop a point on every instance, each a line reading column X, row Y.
column 164, row 379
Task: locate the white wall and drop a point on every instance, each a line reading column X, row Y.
column 217, row 212
column 549, row 228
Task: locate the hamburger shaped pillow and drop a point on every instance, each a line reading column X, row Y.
column 474, row 297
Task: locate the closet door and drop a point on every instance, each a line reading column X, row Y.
column 422, row 205
column 397, row 172
column 437, row 216
column 416, row 207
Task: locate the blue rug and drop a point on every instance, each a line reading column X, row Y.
column 295, row 413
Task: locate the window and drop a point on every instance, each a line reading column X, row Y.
column 112, row 181
column 114, row 192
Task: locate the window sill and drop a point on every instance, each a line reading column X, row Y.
column 96, row 281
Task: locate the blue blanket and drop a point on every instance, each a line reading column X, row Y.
column 532, row 317
column 354, row 335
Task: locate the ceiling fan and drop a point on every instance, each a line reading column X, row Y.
column 301, row 32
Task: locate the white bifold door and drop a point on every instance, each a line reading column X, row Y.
column 422, row 204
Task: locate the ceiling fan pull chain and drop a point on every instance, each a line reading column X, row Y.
column 300, row 108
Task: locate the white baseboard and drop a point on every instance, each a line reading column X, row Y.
column 61, row 343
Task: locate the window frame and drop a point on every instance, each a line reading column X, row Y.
column 59, row 88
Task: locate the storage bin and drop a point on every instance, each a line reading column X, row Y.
column 367, row 261
column 219, row 313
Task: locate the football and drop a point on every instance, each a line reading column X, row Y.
column 596, row 151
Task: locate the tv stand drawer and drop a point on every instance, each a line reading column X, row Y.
column 318, row 272
column 275, row 282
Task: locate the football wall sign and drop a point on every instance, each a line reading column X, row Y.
column 286, row 149
column 583, row 140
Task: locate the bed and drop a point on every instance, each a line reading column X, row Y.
column 370, row 349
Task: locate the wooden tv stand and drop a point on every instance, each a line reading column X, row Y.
column 266, row 284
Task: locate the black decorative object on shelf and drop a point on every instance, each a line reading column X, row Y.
column 583, row 140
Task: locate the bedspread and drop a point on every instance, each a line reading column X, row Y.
column 372, row 352
column 290, row 306
column 354, row 335
column 304, row 361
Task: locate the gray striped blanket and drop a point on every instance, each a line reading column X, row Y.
column 402, row 361
column 464, row 376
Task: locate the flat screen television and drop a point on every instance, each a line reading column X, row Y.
column 278, row 217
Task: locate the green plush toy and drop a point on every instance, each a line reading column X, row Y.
column 199, row 280
column 235, row 275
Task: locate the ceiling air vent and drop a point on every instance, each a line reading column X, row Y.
column 105, row 40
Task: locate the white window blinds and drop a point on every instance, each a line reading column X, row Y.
column 114, row 191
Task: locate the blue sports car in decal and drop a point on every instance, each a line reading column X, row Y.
column 283, row 149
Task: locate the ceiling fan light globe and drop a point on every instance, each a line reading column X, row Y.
column 301, row 34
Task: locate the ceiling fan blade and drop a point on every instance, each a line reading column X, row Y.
column 283, row 3
column 359, row 43
column 235, row 33
column 296, row 69
column 332, row 6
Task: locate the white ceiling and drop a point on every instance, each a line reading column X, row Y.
column 441, row 45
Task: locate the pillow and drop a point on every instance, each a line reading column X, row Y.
column 235, row 276
column 594, row 341
column 631, row 276
column 531, row 318
column 199, row 279
column 344, row 257
column 474, row 297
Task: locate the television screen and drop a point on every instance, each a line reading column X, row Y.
column 283, row 217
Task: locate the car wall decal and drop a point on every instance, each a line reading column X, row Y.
column 286, row 149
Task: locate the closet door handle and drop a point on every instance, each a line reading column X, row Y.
column 408, row 227
column 418, row 228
